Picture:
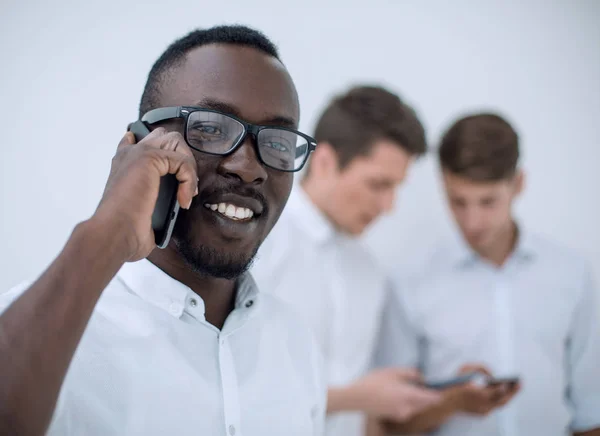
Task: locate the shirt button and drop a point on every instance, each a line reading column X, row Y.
column 249, row 303
column 231, row 430
column 193, row 302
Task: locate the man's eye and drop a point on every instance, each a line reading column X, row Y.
column 275, row 146
column 207, row 129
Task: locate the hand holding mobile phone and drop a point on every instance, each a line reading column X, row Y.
column 167, row 206
column 451, row 382
column 509, row 382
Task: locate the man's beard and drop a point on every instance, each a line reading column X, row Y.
column 209, row 262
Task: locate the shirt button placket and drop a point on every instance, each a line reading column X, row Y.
column 231, row 407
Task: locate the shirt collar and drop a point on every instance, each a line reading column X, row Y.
column 309, row 216
column 156, row 287
column 524, row 249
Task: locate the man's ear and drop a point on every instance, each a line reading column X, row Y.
column 519, row 181
column 324, row 160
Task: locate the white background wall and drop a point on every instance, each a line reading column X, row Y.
column 72, row 73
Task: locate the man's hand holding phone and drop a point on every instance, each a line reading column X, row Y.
column 481, row 398
column 46, row 322
column 388, row 393
column 132, row 187
column 472, row 391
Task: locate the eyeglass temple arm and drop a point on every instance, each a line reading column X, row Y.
column 302, row 150
column 161, row 114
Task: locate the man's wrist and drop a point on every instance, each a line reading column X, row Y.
column 110, row 238
column 344, row 398
column 111, row 233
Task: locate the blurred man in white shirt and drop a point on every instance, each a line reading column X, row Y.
column 367, row 140
column 500, row 300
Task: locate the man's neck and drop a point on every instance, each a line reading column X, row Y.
column 504, row 246
column 218, row 295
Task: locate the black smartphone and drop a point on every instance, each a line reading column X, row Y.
column 455, row 381
column 167, row 206
column 510, row 382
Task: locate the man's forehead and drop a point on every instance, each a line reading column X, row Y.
column 255, row 84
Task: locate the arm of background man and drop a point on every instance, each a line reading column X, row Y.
column 583, row 351
column 40, row 330
column 397, row 345
column 392, row 389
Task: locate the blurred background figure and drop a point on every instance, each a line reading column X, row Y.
column 500, row 300
column 367, row 139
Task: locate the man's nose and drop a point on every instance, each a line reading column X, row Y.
column 244, row 164
column 472, row 220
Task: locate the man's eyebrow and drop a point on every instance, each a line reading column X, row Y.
column 220, row 106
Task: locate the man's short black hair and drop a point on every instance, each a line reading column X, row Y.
column 176, row 53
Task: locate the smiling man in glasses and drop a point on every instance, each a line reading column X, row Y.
column 119, row 338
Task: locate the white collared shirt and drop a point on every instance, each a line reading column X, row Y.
column 334, row 284
column 537, row 317
column 150, row 364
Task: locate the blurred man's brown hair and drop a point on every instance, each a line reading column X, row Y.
column 355, row 120
column 480, row 147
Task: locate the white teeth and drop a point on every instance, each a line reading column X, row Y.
column 240, row 213
column 231, row 211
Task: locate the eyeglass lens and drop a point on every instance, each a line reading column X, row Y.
column 217, row 133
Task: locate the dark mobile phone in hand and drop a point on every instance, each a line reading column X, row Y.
column 167, row 207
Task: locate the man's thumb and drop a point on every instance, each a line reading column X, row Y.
column 408, row 374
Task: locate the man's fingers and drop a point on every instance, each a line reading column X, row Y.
column 177, row 159
column 408, row 374
column 127, row 139
column 416, row 401
column 422, row 397
column 168, row 141
column 475, row 367
column 184, row 168
column 498, row 393
column 508, row 395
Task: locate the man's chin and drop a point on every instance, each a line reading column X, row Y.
column 481, row 244
column 211, row 262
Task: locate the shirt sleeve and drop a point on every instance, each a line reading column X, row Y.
column 398, row 341
column 584, row 358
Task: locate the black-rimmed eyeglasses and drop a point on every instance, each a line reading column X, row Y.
column 213, row 132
